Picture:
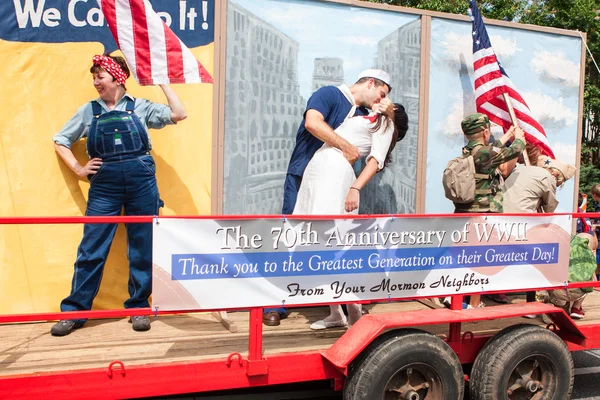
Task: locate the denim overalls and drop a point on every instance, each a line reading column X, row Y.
column 126, row 180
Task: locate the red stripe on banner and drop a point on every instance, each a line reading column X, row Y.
column 141, row 42
column 205, row 77
column 483, row 61
column 529, row 138
column 541, row 145
column 497, row 120
column 500, row 103
column 489, row 95
column 110, row 13
column 506, row 124
column 530, row 120
column 516, row 96
column 174, row 56
column 487, row 78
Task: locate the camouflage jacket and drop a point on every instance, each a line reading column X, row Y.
column 582, row 262
column 488, row 195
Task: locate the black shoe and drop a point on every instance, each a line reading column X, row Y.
column 64, row 327
column 272, row 318
column 140, row 323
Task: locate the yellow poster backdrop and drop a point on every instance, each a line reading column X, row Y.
column 42, row 86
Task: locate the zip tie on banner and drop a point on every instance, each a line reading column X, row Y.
column 392, row 220
column 482, row 290
column 284, row 219
column 156, row 219
column 156, row 311
column 566, row 284
column 389, row 298
column 282, row 303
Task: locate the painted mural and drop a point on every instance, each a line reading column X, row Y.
column 545, row 69
column 275, row 61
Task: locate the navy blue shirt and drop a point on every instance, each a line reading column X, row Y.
column 331, row 102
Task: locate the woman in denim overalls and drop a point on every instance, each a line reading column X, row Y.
column 121, row 172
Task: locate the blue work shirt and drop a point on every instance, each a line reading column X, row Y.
column 334, row 106
column 152, row 115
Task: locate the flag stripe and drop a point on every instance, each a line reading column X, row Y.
column 486, row 60
column 506, row 123
column 154, row 53
column 124, row 27
column 174, row 58
column 108, row 9
column 483, row 53
column 190, row 65
column 484, row 70
column 204, row 74
column 156, row 38
column 498, row 114
column 492, row 83
column 141, row 42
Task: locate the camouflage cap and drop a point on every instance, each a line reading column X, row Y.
column 474, row 123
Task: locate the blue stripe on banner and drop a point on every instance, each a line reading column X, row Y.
column 331, row 262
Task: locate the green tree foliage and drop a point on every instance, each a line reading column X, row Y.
column 508, row 10
column 580, row 15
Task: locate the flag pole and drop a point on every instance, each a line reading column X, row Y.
column 515, row 123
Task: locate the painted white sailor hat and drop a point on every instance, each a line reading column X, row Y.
column 377, row 74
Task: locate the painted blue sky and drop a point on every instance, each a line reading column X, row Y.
column 329, row 30
column 544, row 68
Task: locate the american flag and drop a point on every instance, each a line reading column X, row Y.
column 154, row 53
column 491, row 82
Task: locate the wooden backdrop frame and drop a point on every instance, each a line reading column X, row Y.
column 426, row 16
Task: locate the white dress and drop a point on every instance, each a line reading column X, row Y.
column 329, row 176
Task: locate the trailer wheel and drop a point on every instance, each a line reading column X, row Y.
column 406, row 365
column 523, row 362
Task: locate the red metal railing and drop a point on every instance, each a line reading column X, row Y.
column 116, row 313
column 255, row 334
column 215, row 375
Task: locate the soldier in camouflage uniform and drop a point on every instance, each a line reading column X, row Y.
column 488, row 158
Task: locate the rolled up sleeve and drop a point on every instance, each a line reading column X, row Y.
column 380, row 143
column 156, row 115
column 75, row 128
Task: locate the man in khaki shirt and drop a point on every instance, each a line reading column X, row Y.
column 531, row 189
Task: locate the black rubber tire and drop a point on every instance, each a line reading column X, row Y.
column 393, row 352
column 517, row 345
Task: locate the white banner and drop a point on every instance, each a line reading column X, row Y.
column 208, row 264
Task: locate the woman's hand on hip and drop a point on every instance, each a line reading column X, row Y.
column 351, row 203
column 90, row 168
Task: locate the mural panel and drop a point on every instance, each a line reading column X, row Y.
column 275, row 61
column 545, row 69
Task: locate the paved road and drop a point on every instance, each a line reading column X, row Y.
column 587, row 375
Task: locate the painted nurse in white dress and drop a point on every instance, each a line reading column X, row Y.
column 330, row 186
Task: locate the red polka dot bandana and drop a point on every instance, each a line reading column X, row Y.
column 112, row 67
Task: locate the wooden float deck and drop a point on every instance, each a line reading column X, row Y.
column 27, row 348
